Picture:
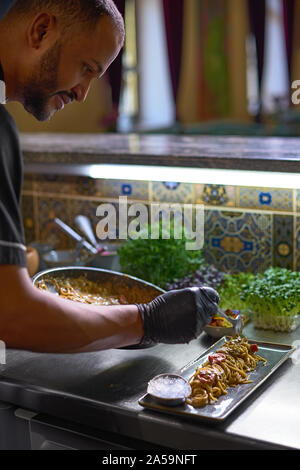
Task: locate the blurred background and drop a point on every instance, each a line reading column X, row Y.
column 194, row 67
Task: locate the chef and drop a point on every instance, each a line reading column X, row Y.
column 50, row 51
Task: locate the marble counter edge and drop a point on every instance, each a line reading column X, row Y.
column 242, row 153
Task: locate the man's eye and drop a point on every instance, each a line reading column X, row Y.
column 87, row 69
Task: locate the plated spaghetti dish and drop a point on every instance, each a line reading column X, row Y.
column 225, row 368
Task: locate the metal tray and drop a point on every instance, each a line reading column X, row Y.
column 275, row 354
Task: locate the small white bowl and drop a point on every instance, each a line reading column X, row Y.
column 62, row 258
column 169, row 389
column 218, row 331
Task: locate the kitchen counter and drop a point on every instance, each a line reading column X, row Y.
column 101, row 391
column 239, row 153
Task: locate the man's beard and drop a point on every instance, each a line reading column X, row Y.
column 42, row 84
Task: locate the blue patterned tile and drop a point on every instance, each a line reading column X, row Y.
column 236, row 241
column 70, row 185
column 83, row 207
column 266, row 199
column 283, row 241
column 28, row 183
column 172, row 192
column 297, row 200
column 29, row 222
column 132, row 189
column 215, row 195
column 55, row 184
column 47, row 230
column 297, row 244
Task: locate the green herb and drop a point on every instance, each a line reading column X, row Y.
column 161, row 260
column 232, row 291
column 272, row 297
column 275, row 292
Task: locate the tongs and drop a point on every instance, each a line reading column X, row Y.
column 237, row 322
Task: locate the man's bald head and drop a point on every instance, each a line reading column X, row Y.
column 71, row 12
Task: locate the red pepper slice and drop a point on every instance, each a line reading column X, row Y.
column 207, row 376
column 253, row 348
column 216, row 358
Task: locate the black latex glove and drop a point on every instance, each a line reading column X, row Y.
column 178, row 316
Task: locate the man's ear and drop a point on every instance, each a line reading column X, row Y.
column 43, row 29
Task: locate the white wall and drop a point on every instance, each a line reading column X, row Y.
column 275, row 76
column 155, row 89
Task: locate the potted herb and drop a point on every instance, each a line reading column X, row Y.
column 274, row 299
column 161, row 260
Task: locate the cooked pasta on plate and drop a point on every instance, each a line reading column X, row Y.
column 227, row 367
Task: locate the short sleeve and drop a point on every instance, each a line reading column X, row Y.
column 12, row 240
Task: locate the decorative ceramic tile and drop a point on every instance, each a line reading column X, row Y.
column 297, row 244
column 88, row 186
column 99, row 188
column 27, row 210
column 266, row 199
column 171, row 212
column 28, row 183
column 89, row 209
column 283, row 241
column 172, row 192
column 297, row 200
column 238, row 241
column 69, row 185
column 54, row 184
column 48, row 209
column 83, row 207
column 215, row 195
column 132, row 189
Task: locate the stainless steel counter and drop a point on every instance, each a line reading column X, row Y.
column 101, row 390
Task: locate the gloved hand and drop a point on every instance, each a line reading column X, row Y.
column 178, row 316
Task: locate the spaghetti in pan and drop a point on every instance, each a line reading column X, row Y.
column 83, row 290
column 227, row 367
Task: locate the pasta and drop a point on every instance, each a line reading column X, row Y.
column 82, row 290
column 227, row 367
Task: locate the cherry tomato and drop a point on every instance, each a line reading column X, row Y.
column 253, row 348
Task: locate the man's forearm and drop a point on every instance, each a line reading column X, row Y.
column 40, row 321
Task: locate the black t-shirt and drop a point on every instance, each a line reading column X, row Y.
column 12, row 239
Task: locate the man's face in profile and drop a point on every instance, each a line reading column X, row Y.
column 40, row 96
column 65, row 71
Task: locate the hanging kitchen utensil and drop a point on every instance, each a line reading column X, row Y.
column 85, row 226
column 75, row 236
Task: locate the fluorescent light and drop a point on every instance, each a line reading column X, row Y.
column 264, row 179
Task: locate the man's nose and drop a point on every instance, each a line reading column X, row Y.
column 81, row 91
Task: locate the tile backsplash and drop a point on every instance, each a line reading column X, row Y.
column 245, row 228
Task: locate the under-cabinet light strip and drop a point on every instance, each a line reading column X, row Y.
column 262, row 179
